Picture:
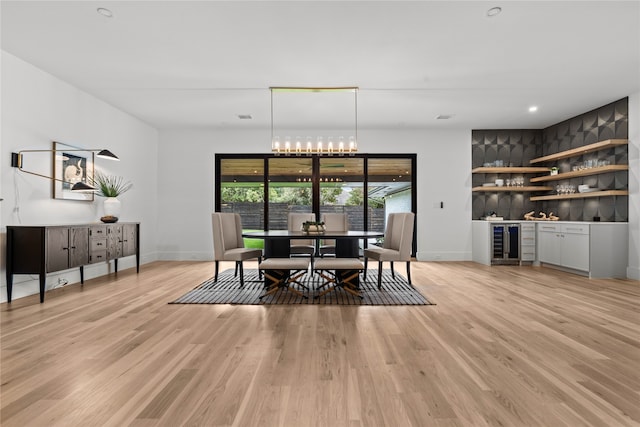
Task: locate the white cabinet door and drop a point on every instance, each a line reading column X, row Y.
column 549, row 242
column 549, row 247
column 575, row 246
column 575, row 251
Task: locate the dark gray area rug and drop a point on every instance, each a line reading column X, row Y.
column 227, row 290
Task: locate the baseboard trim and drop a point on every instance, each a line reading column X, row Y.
column 633, row 273
column 443, row 256
column 185, row 256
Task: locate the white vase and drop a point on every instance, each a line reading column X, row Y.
column 112, row 207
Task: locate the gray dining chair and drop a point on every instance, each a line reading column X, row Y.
column 301, row 246
column 332, row 222
column 228, row 244
column 398, row 239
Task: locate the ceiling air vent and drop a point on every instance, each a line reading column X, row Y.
column 444, row 116
column 245, row 116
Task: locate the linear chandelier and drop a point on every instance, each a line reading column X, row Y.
column 322, row 144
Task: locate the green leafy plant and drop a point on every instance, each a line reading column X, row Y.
column 110, row 185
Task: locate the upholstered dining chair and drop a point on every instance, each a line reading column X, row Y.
column 228, row 244
column 332, row 222
column 301, row 246
column 398, row 238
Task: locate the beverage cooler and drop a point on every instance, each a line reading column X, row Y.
column 505, row 243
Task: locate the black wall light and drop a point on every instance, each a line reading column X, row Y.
column 17, row 162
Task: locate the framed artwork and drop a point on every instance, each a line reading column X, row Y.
column 70, row 165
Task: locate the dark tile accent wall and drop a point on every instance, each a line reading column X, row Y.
column 517, row 147
column 607, row 122
column 513, row 148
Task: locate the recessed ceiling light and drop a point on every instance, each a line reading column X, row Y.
column 105, row 12
column 533, row 109
column 494, row 11
column 245, row 116
column 444, row 116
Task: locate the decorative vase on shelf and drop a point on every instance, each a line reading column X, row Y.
column 112, row 207
column 110, row 187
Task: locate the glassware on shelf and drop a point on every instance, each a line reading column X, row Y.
column 562, row 189
column 589, row 164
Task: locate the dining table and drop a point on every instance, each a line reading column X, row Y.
column 277, row 242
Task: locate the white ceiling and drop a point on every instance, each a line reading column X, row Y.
column 179, row 64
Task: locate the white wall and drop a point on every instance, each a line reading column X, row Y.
column 187, row 197
column 38, row 108
column 633, row 270
column 173, row 173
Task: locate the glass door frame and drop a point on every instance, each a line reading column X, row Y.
column 315, row 186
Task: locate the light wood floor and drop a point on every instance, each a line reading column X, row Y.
column 504, row 346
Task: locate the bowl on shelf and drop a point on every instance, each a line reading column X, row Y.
column 583, row 188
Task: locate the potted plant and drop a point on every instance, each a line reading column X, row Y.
column 554, row 171
column 110, row 187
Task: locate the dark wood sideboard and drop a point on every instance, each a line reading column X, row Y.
column 48, row 248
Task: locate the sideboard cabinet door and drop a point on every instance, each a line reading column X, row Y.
column 129, row 239
column 57, row 248
column 78, row 246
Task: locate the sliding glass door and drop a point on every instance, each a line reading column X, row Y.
column 264, row 188
column 341, row 183
column 390, row 188
column 289, row 188
column 241, row 186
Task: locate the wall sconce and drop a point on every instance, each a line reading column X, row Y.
column 17, row 162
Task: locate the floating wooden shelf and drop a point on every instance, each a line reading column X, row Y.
column 512, row 169
column 583, row 172
column 581, row 195
column 602, row 145
column 513, row 189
